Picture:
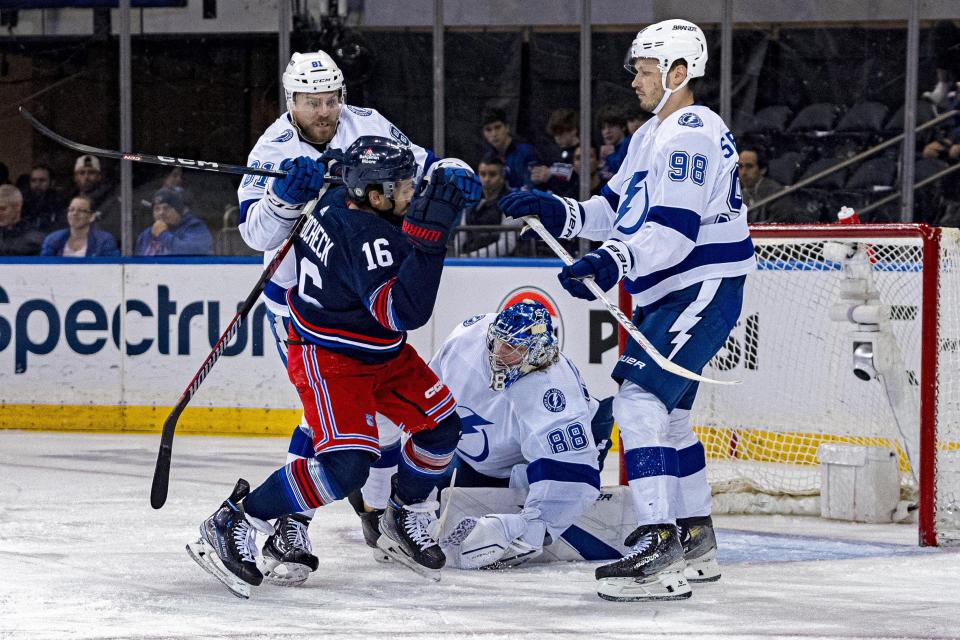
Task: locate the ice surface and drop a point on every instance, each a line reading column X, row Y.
column 84, row 556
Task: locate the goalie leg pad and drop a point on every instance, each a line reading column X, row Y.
column 496, row 542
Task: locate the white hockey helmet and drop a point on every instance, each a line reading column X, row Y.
column 312, row 73
column 666, row 42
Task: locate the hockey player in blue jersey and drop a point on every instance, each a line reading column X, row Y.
column 362, row 282
column 673, row 224
column 528, row 422
column 317, row 120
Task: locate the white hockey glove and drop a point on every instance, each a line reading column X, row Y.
column 502, row 540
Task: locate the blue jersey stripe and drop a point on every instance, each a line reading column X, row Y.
column 244, row 206
column 546, row 469
column 681, row 220
column 275, row 292
column 611, row 197
column 704, row 254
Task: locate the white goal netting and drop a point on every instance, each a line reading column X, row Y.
column 820, row 293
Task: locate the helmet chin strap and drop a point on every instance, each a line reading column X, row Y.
column 667, row 92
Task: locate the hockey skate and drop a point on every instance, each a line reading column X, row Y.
column 287, row 558
column 405, row 537
column 370, row 523
column 653, row 570
column 227, row 547
column 699, row 549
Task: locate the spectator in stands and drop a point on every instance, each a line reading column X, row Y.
column 756, row 186
column 946, row 46
column 43, row 205
column 595, row 182
column 81, row 239
column 18, row 237
column 563, row 126
column 175, row 231
column 484, row 244
column 519, row 158
column 613, row 130
column 88, row 180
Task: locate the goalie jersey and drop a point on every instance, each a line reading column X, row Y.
column 541, row 421
column 280, row 141
column 676, row 206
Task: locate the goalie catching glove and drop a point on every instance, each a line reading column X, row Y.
column 502, row 540
column 562, row 217
column 433, row 215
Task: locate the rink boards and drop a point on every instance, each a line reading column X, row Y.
column 60, row 326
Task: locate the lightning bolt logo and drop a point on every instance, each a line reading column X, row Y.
column 635, row 186
column 690, row 316
column 473, row 423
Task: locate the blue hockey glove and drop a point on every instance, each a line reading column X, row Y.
column 606, row 266
column 433, row 214
column 562, row 217
column 469, row 185
column 303, row 183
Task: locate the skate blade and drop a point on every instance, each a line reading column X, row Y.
column 282, row 574
column 702, row 571
column 381, row 556
column 204, row 556
column 664, row 586
column 395, row 552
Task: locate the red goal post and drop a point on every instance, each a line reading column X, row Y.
column 820, row 292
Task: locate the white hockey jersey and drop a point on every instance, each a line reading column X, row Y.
column 542, row 420
column 281, row 141
column 676, row 204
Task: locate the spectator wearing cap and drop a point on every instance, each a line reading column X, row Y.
column 18, row 237
column 88, row 180
column 175, row 231
column 81, row 238
column 519, row 158
column 613, row 130
column 43, row 205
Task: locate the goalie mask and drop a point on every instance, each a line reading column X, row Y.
column 375, row 161
column 666, row 42
column 520, row 340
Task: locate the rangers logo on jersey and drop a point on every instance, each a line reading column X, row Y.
column 554, row 400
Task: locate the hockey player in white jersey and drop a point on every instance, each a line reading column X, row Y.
column 673, row 224
column 526, row 420
column 317, row 120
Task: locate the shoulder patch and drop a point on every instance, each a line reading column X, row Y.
column 691, row 120
column 283, row 137
column 473, row 320
column 554, row 400
column 396, row 133
column 360, row 111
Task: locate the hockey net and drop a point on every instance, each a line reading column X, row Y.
column 819, row 293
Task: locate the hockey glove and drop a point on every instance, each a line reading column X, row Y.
column 433, row 215
column 562, row 217
column 469, row 185
column 607, row 265
column 303, row 183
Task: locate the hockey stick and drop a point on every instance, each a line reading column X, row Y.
column 161, row 475
column 665, row 364
column 143, row 157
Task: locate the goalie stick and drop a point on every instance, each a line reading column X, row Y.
column 161, row 474
column 656, row 356
column 168, row 161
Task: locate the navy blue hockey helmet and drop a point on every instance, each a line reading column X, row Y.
column 376, row 161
